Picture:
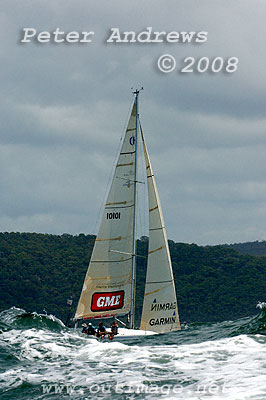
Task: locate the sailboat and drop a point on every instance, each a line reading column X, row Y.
column 109, row 286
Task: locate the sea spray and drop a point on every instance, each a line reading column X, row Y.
column 42, row 359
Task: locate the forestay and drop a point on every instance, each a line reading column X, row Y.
column 107, row 286
column 160, row 313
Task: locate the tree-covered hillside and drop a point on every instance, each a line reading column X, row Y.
column 252, row 248
column 213, row 283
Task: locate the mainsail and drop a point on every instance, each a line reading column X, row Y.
column 107, row 289
column 160, row 313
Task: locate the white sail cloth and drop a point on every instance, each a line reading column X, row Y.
column 107, row 286
column 160, row 313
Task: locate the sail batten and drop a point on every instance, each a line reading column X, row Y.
column 118, row 207
column 149, row 283
column 117, row 202
column 125, row 165
column 153, row 251
column 128, row 152
column 153, row 209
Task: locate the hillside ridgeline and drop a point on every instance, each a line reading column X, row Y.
column 213, row 283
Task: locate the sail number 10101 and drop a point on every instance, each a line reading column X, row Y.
column 113, row 215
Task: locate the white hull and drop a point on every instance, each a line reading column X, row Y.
column 124, row 334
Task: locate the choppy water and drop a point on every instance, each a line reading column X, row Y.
column 41, row 359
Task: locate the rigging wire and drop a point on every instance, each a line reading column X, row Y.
column 141, row 195
column 145, row 192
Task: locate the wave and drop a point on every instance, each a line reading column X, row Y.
column 39, row 355
column 256, row 325
column 17, row 318
column 201, row 332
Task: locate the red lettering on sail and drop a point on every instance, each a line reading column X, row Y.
column 107, row 301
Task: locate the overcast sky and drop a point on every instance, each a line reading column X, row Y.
column 64, row 108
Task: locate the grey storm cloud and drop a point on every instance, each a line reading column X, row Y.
column 64, row 107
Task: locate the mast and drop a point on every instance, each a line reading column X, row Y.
column 133, row 279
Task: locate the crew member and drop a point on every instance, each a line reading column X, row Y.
column 84, row 328
column 114, row 328
column 101, row 331
column 90, row 329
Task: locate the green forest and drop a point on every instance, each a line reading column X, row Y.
column 213, row 283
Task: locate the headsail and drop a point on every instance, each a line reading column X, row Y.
column 107, row 286
column 160, row 312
